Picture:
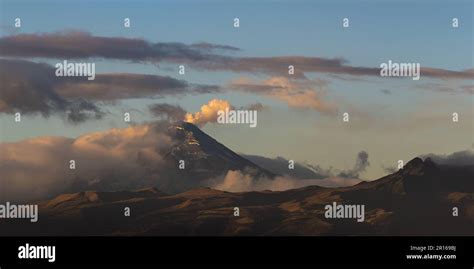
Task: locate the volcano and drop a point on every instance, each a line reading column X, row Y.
column 204, row 157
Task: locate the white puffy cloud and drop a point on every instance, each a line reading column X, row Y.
column 114, row 159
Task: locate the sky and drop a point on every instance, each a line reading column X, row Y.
column 390, row 118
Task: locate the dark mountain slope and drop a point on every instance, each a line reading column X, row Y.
column 416, row 200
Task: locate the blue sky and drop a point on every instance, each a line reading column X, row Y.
column 269, row 28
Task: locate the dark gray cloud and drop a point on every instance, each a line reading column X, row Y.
column 209, row 47
column 77, row 44
column 464, row 157
column 29, row 88
column 81, row 110
column 255, row 106
column 117, row 86
column 362, row 162
column 74, row 45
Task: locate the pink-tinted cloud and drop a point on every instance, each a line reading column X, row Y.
column 301, row 94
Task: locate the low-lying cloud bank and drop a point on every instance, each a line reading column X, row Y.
column 238, row 181
column 110, row 160
column 301, row 176
column 279, row 166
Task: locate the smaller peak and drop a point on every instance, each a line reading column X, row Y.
column 414, row 162
column 415, row 166
column 418, row 166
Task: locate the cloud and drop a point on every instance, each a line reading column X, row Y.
column 210, row 47
column 464, row 157
column 279, row 166
column 362, row 162
column 115, row 159
column 208, row 112
column 118, row 86
column 238, row 181
column 81, row 110
column 360, row 166
column 77, row 44
column 303, row 175
column 203, row 56
column 277, row 66
column 255, row 106
column 446, row 74
column 29, row 88
column 301, row 94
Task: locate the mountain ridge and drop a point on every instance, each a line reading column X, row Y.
column 393, row 206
